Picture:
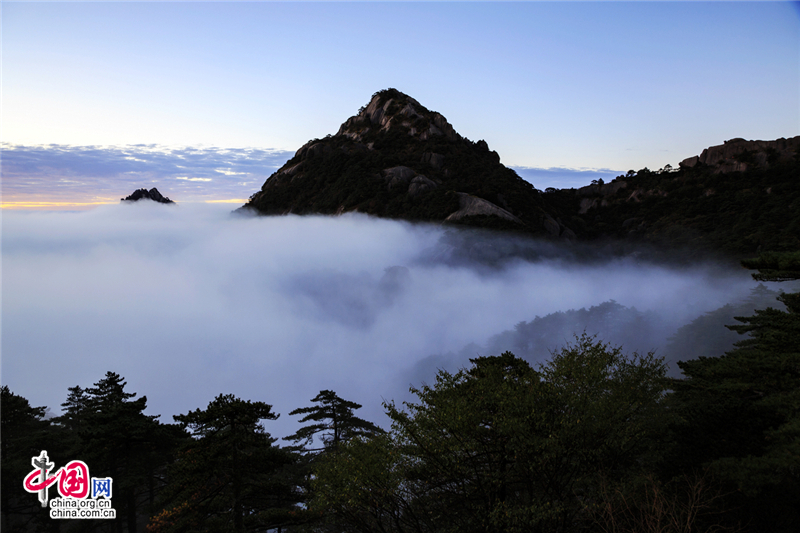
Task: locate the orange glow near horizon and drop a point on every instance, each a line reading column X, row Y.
column 44, row 205
column 54, row 206
column 230, row 201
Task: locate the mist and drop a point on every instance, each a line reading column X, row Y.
column 187, row 302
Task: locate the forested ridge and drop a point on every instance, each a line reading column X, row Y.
column 397, row 159
column 738, row 214
column 594, row 439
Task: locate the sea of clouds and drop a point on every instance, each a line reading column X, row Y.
column 187, row 302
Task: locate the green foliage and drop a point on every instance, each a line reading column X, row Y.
column 334, row 419
column 737, row 213
column 363, row 488
column 229, row 477
column 501, row 446
column 707, row 336
column 107, row 429
column 775, row 266
column 740, row 415
column 25, row 433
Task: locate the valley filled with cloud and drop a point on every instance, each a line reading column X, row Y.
column 190, row 301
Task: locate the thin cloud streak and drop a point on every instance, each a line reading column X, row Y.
column 187, row 302
column 79, row 175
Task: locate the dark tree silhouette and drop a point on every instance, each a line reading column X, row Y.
column 229, row 477
column 334, row 419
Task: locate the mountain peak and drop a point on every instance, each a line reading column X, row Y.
column 391, row 108
column 144, row 194
column 396, row 158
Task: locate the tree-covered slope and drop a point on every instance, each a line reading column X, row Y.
column 740, row 205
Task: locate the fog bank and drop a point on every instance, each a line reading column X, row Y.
column 187, row 302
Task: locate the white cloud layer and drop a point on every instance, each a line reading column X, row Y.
column 187, row 302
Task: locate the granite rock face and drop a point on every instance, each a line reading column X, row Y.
column 473, row 206
column 384, row 114
column 144, row 194
column 739, row 155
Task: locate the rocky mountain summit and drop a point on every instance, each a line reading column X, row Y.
column 397, row 159
column 144, row 194
column 739, row 155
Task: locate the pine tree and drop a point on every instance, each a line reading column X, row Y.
column 230, row 476
column 334, row 420
column 105, row 426
column 75, row 409
column 500, row 446
column 25, row 432
column 740, row 412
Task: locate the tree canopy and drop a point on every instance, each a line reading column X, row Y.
column 334, row 421
column 739, row 413
column 229, row 476
column 501, row 446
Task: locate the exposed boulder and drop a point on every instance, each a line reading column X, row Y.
column 473, row 206
column 586, row 204
column 557, row 229
column 317, row 150
column 396, row 176
column 444, row 127
column 420, row 184
column 551, row 226
column 292, row 170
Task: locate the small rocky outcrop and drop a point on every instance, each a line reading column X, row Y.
column 420, row 184
column 406, row 179
column 144, row 194
column 740, row 155
column 397, row 176
column 602, row 189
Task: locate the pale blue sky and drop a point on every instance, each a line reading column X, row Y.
column 575, row 85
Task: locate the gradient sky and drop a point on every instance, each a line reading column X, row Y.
column 611, row 86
